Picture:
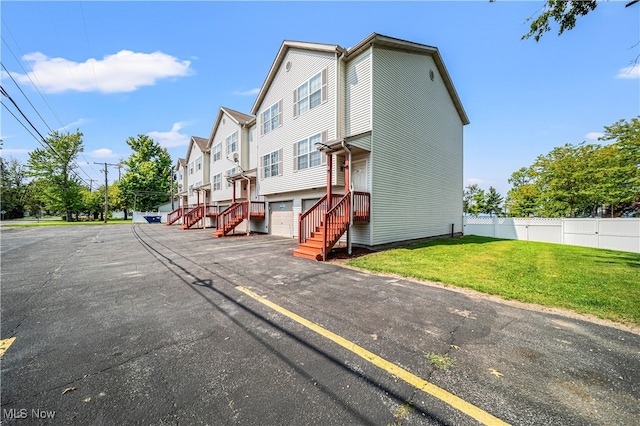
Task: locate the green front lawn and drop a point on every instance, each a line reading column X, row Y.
column 604, row 283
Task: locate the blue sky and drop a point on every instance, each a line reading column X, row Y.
column 119, row 69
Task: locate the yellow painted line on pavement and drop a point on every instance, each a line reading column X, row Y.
column 415, row 381
column 4, row 345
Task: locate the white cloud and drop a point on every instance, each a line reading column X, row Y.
column 251, row 92
column 125, row 71
column 171, row 138
column 629, row 72
column 5, row 151
column 103, row 153
column 476, row 181
column 73, row 125
column 593, row 135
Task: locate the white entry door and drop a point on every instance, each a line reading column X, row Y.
column 360, row 176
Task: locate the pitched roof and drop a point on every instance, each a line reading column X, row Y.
column 240, row 118
column 202, row 145
column 277, row 62
column 373, row 39
column 181, row 162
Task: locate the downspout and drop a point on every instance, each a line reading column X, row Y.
column 248, row 203
column 346, row 148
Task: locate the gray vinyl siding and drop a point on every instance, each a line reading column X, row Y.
column 358, row 94
column 416, row 154
column 363, row 142
column 304, row 65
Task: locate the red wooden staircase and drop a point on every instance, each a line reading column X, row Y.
column 236, row 213
column 320, row 229
column 174, row 215
column 193, row 216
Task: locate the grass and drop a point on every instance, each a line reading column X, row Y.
column 604, row 283
column 440, row 362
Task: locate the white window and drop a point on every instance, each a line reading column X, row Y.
column 229, row 173
column 217, row 151
column 306, row 154
column 217, row 182
column 199, row 163
column 190, row 189
column 310, row 94
column 232, row 143
column 191, row 168
column 271, row 118
column 271, row 164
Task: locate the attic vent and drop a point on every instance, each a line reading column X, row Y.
column 287, row 66
column 431, row 75
column 224, row 120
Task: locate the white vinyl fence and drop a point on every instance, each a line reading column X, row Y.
column 138, row 217
column 615, row 234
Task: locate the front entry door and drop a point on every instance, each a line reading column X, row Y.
column 359, row 176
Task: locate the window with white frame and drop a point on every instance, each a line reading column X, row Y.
column 191, row 168
column 310, row 94
column 271, row 118
column 232, row 143
column 230, row 172
column 217, row 151
column 271, row 164
column 217, row 182
column 199, row 163
column 190, row 189
column 306, row 154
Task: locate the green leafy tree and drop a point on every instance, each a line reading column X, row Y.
column 116, row 200
column 522, row 198
column 148, row 177
column 565, row 180
column 93, row 202
column 13, row 188
column 563, row 12
column 468, row 198
column 55, row 168
column 492, row 202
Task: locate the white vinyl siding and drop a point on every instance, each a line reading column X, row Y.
column 231, row 139
column 415, row 122
column 304, row 65
column 358, row 94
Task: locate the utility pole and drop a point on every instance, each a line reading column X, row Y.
column 91, row 184
column 106, row 189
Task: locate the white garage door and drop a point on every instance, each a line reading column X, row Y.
column 282, row 218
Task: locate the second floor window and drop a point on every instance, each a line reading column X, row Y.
column 306, row 154
column 229, row 173
column 232, row 143
column 191, row 168
column 217, row 151
column 271, row 118
column 199, row 163
column 217, row 182
column 271, row 164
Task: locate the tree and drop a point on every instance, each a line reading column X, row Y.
column 54, row 167
column 93, row 202
column 563, row 12
column 522, row 198
column 492, row 202
column 148, row 177
column 468, row 198
column 13, row 188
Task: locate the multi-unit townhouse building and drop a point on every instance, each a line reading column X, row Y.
column 362, row 144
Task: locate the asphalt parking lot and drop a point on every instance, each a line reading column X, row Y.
column 148, row 324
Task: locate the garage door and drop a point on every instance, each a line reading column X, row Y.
column 281, row 219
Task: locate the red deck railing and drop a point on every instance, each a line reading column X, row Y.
column 192, row 217
column 233, row 215
column 336, row 221
column 174, row 215
column 311, row 220
column 361, row 207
